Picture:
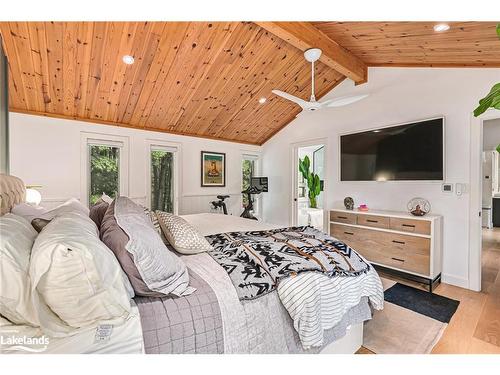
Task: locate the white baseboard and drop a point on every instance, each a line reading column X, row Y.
column 455, row 280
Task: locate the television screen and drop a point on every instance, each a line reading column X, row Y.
column 260, row 183
column 411, row 151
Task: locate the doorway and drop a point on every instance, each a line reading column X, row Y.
column 484, row 246
column 309, row 172
column 490, row 212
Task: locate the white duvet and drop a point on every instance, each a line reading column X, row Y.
column 314, row 301
column 123, row 338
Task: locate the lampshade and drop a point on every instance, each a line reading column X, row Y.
column 33, row 197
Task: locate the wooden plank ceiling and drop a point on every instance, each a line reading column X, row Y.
column 205, row 78
column 465, row 44
column 201, row 79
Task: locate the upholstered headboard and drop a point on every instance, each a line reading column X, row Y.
column 12, row 192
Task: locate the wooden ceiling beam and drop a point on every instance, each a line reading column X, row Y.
column 303, row 35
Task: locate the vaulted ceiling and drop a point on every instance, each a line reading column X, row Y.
column 206, row 78
column 465, row 44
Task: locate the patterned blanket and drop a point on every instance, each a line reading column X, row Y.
column 256, row 261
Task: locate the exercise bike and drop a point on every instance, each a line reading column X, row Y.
column 220, row 203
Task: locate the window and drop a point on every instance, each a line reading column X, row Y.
column 249, row 169
column 162, row 180
column 104, row 171
column 162, row 175
column 105, row 167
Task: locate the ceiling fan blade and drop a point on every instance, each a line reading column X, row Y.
column 345, row 100
column 290, row 97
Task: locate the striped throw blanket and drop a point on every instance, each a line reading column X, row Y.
column 257, row 261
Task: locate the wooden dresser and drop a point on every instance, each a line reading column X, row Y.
column 408, row 245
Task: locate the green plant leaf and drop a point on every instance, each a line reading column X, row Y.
column 304, row 170
column 317, row 185
column 498, row 148
column 492, row 100
column 307, row 162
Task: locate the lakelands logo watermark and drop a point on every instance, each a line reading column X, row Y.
column 18, row 342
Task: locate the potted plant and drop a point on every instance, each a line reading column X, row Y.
column 313, row 181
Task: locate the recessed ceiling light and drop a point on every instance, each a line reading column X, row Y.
column 262, row 100
column 377, row 131
column 127, row 59
column 440, row 27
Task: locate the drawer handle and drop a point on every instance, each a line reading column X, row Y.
column 349, row 233
column 399, row 260
column 371, row 221
column 342, row 217
column 399, row 242
column 408, row 225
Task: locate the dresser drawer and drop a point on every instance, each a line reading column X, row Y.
column 412, row 226
column 343, row 217
column 397, row 250
column 407, row 253
column 374, row 221
column 345, row 233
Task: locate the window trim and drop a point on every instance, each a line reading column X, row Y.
column 173, row 147
column 98, row 139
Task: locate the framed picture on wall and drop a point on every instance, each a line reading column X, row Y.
column 213, row 169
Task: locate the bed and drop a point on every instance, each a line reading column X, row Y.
column 214, row 318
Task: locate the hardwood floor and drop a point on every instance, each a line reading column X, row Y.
column 475, row 327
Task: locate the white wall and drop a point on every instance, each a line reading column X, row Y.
column 46, row 151
column 396, row 95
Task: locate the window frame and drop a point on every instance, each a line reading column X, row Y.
column 99, row 139
column 175, row 149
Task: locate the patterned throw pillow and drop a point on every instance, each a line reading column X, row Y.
column 182, row 235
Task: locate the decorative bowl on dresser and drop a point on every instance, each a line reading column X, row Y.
column 396, row 242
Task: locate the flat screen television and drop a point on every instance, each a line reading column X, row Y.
column 411, row 152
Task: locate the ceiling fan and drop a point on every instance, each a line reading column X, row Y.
column 312, row 55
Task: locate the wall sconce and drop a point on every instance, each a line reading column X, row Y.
column 33, row 196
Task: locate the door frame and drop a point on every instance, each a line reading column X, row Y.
column 476, row 192
column 294, row 151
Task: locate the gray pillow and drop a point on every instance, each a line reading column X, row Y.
column 39, row 223
column 97, row 212
column 152, row 269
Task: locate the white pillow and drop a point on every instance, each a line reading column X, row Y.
column 16, row 240
column 76, row 277
column 30, row 212
column 182, row 235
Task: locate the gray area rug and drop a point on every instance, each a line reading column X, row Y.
column 399, row 330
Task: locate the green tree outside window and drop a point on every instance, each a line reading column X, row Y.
column 162, row 181
column 104, row 172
